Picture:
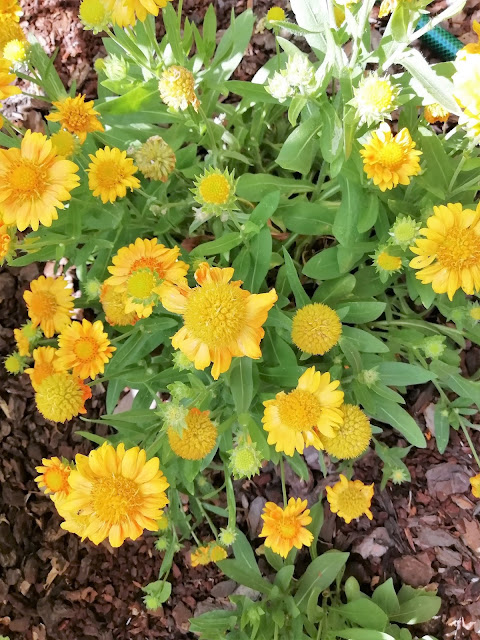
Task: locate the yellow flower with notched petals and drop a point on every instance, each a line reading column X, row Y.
column 304, row 416
column 34, row 182
column 211, row 552
column 352, row 437
column 62, row 396
column 64, row 143
column 120, row 492
column 45, row 364
column 284, row 529
column 7, row 89
column 177, row 88
column 144, row 270
column 198, row 437
column 49, row 304
column 435, row 113
column 84, row 348
column 350, row 499
column 126, row 12
column 316, row 328
column 390, row 160
column 221, row 320
column 448, row 256
column 77, row 116
column 23, row 343
column 111, row 173
column 114, row 301
column 475, row 482
column 53, row 477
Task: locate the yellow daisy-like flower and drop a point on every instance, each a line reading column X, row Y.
column 390, row 160
column 304, row 416
column 145, row 270
column 177, row 88
column 7, row 89
column 126, row 12
column 155, row 159
column 62, row 396
column 111, row 173
column 350, row 499
column 197, row 439
column 285, row 528
column 10, row 10
column 114, row 301
column 9, row 30
column 64, row 143
column 475, row 482
column 435, row 113
column 215, row 191
column 53, row 477
column 94, row 15
column 34, row 182
column 49, row 304
column 120, row 492
column 221, row 320
column 387, row 263
column 353, row 436
column 77, row 116
column 16, row 51
column 45, row 365
column 73, row 522
column 14, row 363
column 23, row 343
column 375, row 98
column 449, row 255
column 85, row 348
column 5, row 242
column 275, row 13
column 389, row 6
column 211, row 552
column 316, row 328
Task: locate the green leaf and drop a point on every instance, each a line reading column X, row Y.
column 364, row 613
column 311, row 16
column 236, row 570
column 299, row 148
column 331, row 140
column 363, row 634
column 369, row 214
column 296, row 105
column 265, row 209
column 403, row 374
column 442, row 427
column 362, row 311
column 301, row 297
column 439, row 165
column 346, row 218
column 137, row 99
column 220, row 245
column 334, row 290
column 213, row 625
column 417, row 610
column 297, row 464
column 308, row 218
column 395, row 416
column 254, row 187
column 241, row 384
column 386, row 598
column 363, row 340
column 319, row 575
column 261, row 253
column 323, row 265
column 463, row 387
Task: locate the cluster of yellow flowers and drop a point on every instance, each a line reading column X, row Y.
column 98, row 14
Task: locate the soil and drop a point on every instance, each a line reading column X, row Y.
column 53, row 586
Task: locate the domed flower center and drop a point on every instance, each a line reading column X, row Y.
column 56, row 480
column 460, row 249
column 214, row 189
column 245, row 460
column 26, row 178
column 352, row 502
column 379, row 95
column 147, row 263
column 114, row 498
column 216, row 314
column 389, row 263
column 43, row 304
column 110, row 173
column 300, row 410
column 290, row 527
column 391, row 155
column 85, row 349
column 75, row 117
column 141, row 283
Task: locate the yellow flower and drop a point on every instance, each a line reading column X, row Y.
column 472, row 48
column 390, row 160
column 61, row 396
column 177, row 88
column 465, row 83
column 73, row 522
column 474, row 313
column 5, row 242
column 316, row 328
column 77, row 116
column 54, row 476
column 304, row 416
column 23, row 343
column 10, row 10
column 155, row 159
column 449, row 255
column 94, row 15
column 84, row 348
column 120, row 492
column 275, row 13
column 285, row 528
column 375, row 98
column 350, row 499
column 144, row 270
column 215, row 191
column 9, row 30
column 14, row 363
column 475, row 482
column 49, row 304
column 16, row 51
column 436, row 113
column 197, row 439
column 6, row 79
column 221, row 320
column 211, row 552
column 34, row 182
column 384, row 261
column 388, row 6
column 126, row 12
column 45, row 365
column 64, row 143
column 353, row 436
column 113, row 301
column 111, row 173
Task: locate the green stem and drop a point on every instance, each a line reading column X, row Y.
column 459, row 167
column 207, row 517
column 210, row 134
column 231, row 502
column 284, row 488
column 470, row 441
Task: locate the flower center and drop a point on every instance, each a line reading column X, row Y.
column 460, row 249
column 43, row 304
column 289, row 528
column 26, row 178
column 387, row 262
column 215, row 314
column 114, row 498
column 110, row 173
column 299, row 410
column 391, row 155
column 85, row 349
column 380, row 95
column 75, row 118
column 352, row 503
column 215, row 189
column 43, row 370
column 56, row 480
column 148, row 263
column 141, row 283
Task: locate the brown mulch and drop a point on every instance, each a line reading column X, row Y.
column 53, row 586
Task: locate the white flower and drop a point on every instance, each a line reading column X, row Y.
column 279, row 87
column 200, row 214
column 300, row 73
column 375, row 98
